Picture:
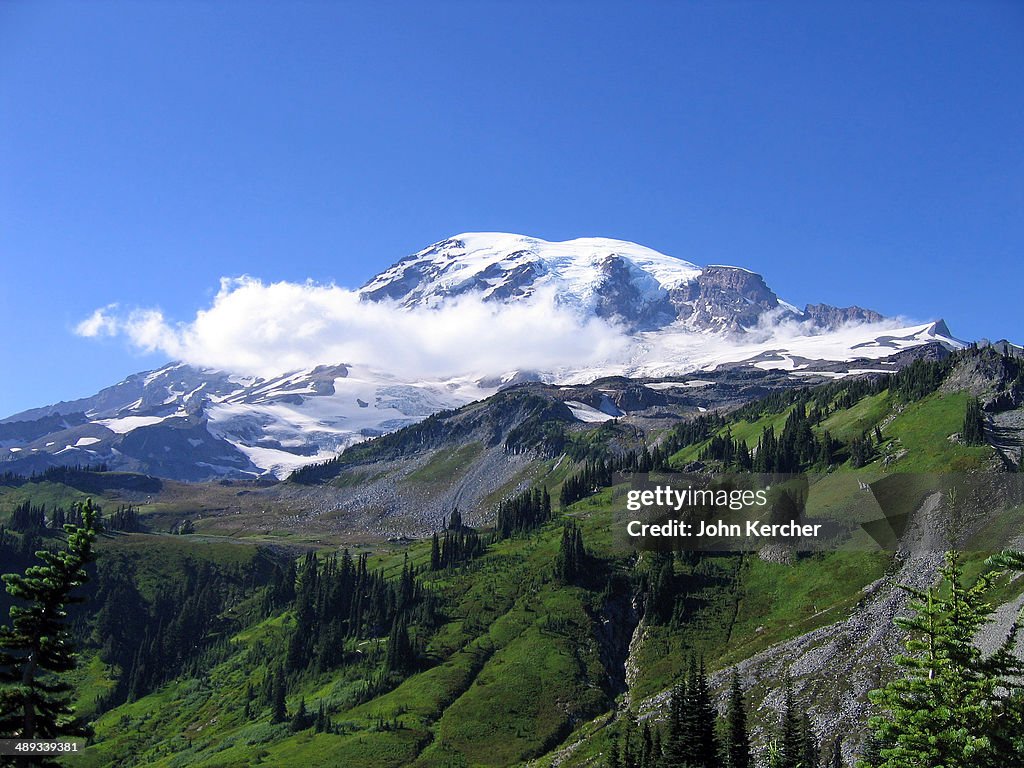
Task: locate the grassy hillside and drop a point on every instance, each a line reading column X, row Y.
column 502, row 654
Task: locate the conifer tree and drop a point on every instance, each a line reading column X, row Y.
column 435, row 553
column 836, row 758
column 300, row 720
column 952, row 706
column 279, row 712
column 400, row 654
column 809, row 745
column 704, row 717
column 614, row 758
column 648, row 755
column 791, row 742
column 691, row 738
column 661, row 595
column 571, row 559
column 36, row 648
column 630, row 745
column 973, row 431
column 737, row 748
column 679, row 747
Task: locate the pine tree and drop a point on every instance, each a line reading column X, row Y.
column 630, row 743
column 691, row 738
column 973, row 431
column 791, row 743
column 809, row 745
column 650, row 751
column 279, row 712
column 861, row 451
column 300, row 720
column 36, row 648
column 435, row 553
column 704, row 718
column 737, row 750
column 661, row 598
column 679, row 741
column 455, row 520
column 400, row 654
column 614, row 758
column 871, row 751
column 836, row 758
column 572, row 555
column 952, row 706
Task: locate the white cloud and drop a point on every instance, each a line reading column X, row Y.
column 266, row 328
column 99, row 323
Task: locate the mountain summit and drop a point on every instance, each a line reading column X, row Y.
column 615, row 279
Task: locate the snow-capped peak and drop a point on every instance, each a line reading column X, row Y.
column 576, row 260
column 599, row 275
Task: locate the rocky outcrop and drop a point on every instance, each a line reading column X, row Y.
column 827, row 316
column 638, row 398
column 723, row 298
column 629, row 294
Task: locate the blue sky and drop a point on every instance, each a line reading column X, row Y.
column 868, row 153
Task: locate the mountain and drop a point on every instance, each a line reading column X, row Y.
column 187, row 423
column 674, row 318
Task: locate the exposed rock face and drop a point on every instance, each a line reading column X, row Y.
column 724, row 298
column 931, row 351
column 1003, row 347
column 629, row 294
column 638, row 398
column 827, row 316
column 735, row 282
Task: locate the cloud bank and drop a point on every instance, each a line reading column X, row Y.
column 262, row 328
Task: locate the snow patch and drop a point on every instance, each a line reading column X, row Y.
column 126, row 424
column 691, row 384
column 589, row 414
